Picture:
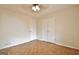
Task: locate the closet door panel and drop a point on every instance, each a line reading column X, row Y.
column 51, row 30
column 44, row 29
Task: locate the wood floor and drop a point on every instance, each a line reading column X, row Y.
column 37, row 47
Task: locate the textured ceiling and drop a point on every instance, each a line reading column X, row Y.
column 46, row 9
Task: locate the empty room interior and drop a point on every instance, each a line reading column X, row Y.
column 39, row 29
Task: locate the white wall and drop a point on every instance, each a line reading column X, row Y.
column 67, row 27
column 15, row 28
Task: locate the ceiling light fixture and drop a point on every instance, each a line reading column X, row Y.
column 35, row 7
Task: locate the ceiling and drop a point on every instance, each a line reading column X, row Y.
column 46, row 9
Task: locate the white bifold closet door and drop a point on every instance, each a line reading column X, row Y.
column 46, row 30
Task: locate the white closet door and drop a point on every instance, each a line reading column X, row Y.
column 48, row 30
